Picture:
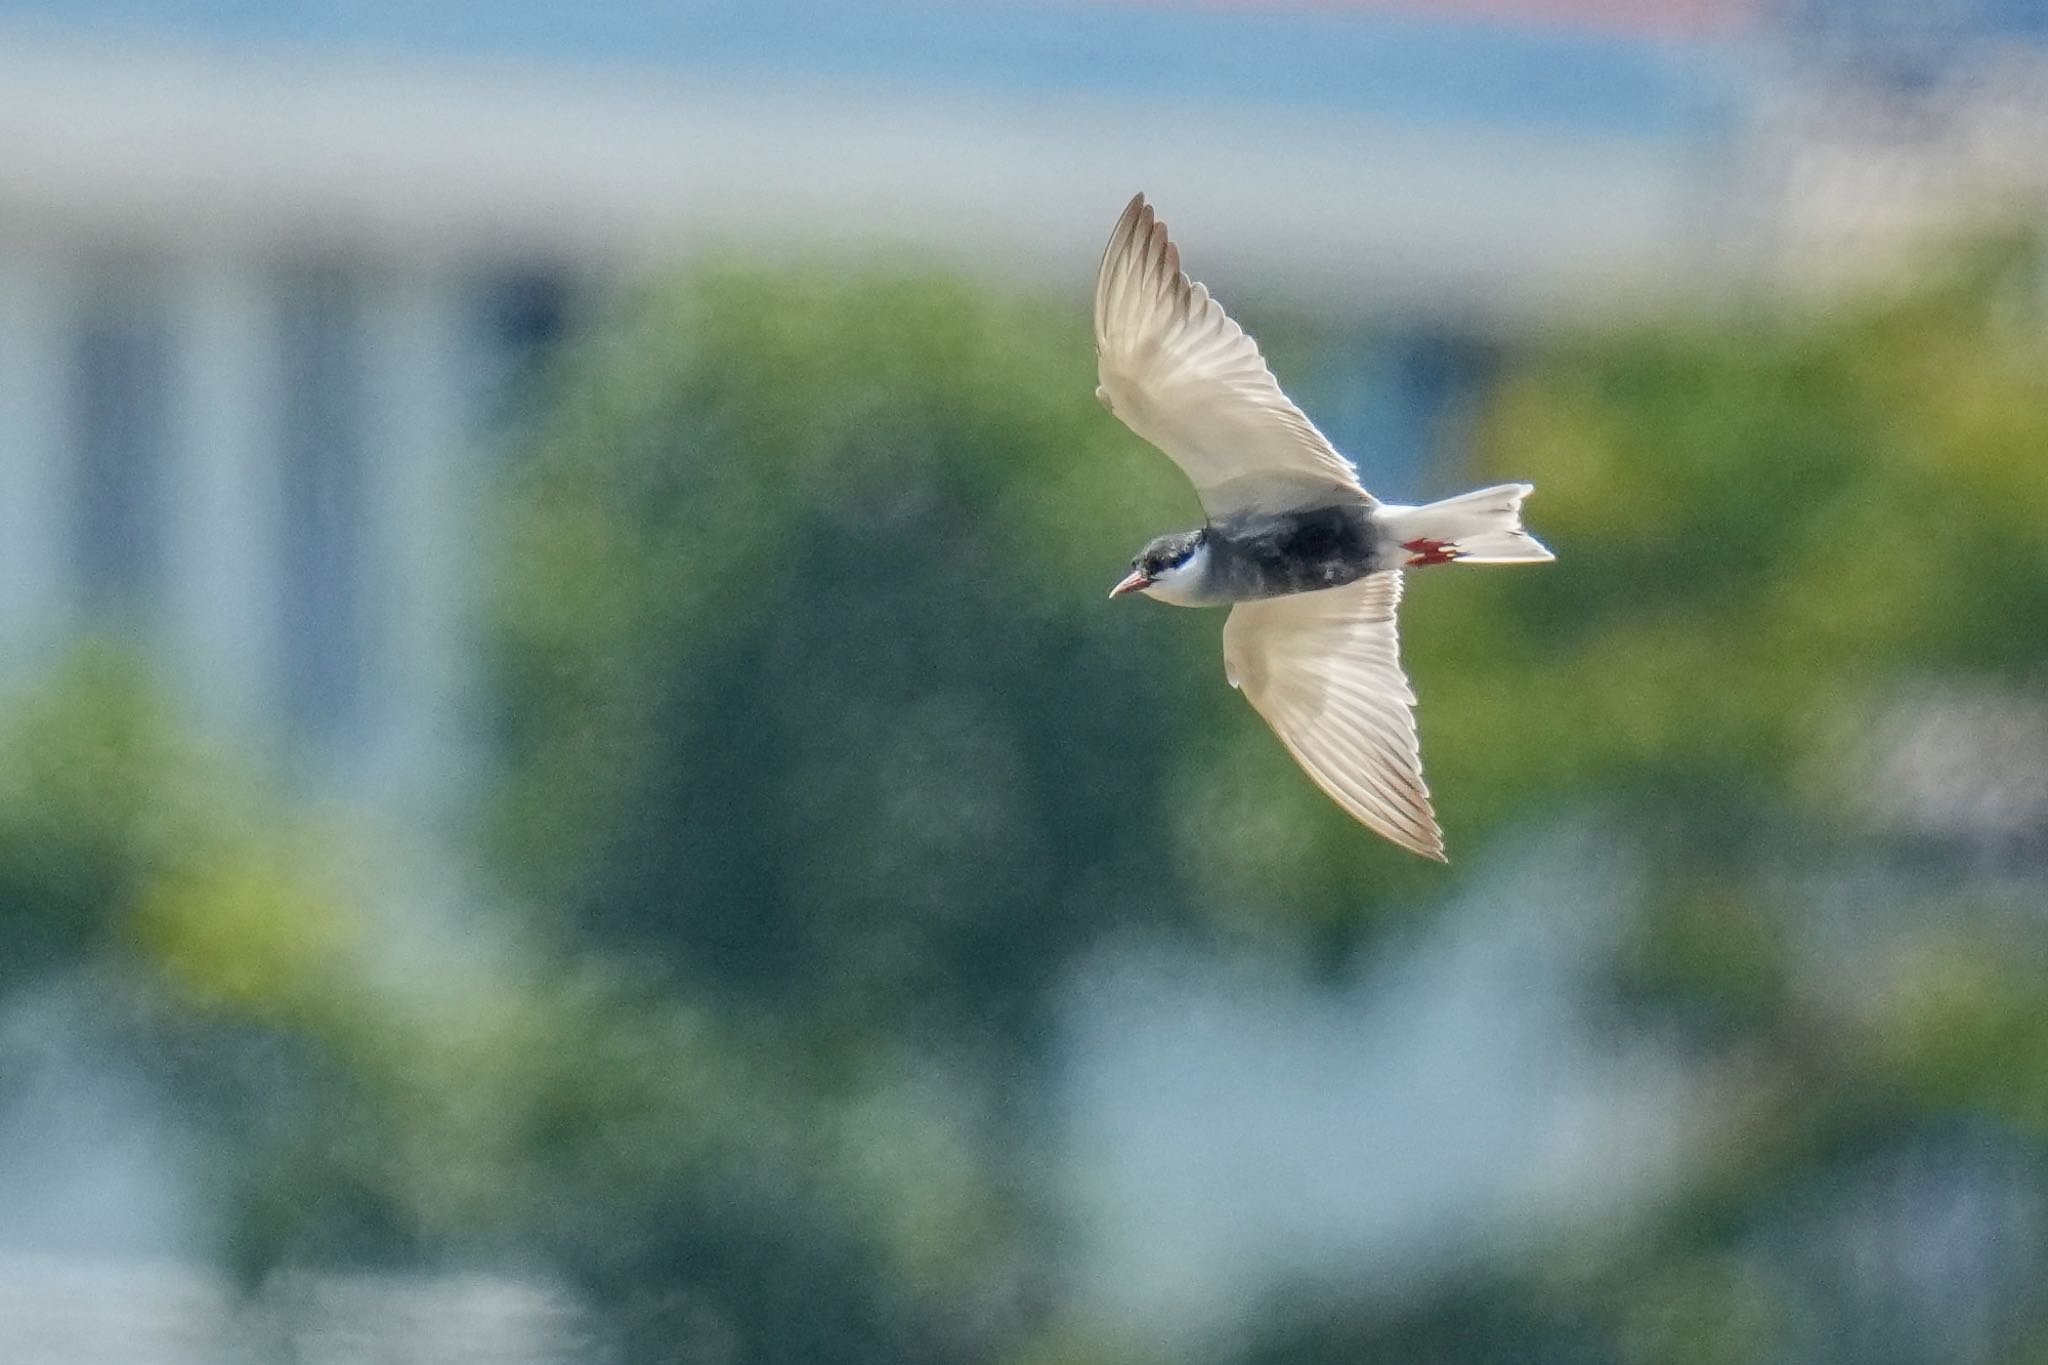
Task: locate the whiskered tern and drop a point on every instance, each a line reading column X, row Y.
column 1309, row 562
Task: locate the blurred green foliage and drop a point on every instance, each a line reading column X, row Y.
column 101, row 798
column 804, row 616
column 1777, row 534
column 1775, row 524
column 823, row 761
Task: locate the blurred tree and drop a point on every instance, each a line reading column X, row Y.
column 186, row 926
column 812, row 704
column 100, row 795
column 810, row 687
column 824, row 760
column 1780, row 538
column 814, row 709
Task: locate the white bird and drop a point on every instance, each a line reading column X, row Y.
column 1309, row 562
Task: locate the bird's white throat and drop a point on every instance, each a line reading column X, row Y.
column 1182, row 584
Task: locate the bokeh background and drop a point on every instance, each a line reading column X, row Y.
column 568, row 792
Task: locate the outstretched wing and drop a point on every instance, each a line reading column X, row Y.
column 1324, row 669
column 1185, row 377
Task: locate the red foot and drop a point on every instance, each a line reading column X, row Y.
column 1430, row 552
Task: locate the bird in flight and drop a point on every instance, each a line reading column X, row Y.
column 1308, row 561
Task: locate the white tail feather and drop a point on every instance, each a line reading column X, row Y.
column 1480, row 527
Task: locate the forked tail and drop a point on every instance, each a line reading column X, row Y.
column 1481, row 527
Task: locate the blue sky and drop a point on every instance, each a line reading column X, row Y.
column 1397, row 65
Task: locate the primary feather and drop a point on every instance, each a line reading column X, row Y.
column 1180, row 373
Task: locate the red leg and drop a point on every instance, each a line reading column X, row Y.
column 1430, row 552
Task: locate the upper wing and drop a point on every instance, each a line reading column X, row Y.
column 1324, row 669
column 1185, row 377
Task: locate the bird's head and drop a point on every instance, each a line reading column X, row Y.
column 1170, row 568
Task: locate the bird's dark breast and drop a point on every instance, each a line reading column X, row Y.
column 1304, row 551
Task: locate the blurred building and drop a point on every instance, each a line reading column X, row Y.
column 239, row 407
column 270, row 274
column 267, row 274
column 1875, row 126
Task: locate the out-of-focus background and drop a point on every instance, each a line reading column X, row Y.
column 568, row 792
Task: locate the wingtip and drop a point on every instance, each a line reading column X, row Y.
column 1130, row 224
column 1431, row 848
